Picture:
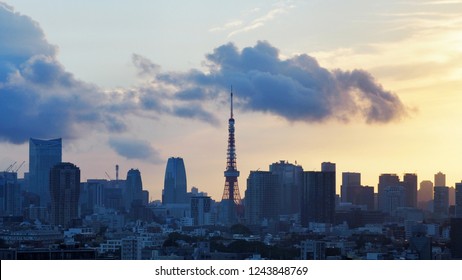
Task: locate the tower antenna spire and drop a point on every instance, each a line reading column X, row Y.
column 231, row 102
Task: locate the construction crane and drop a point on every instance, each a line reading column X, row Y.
column 17, row 169
column 10, row 167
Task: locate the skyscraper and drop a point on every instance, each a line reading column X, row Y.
column 134, row 188
column 440, row 179
column 65, row 190
column 175, row 187
column 318, row 195
column 231, row 199
column 410, row 190
column 10, row 194
column 351, row 183
column 261, row 197
column 290, row 178
column 441, row 201
column 459, row 200
column 387, row 186
column 425, row 194
column 43, row 155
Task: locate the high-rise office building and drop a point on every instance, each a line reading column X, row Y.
column 459, row 200
column 231, row 206
column 43, row 155
column 351, row 183
column 425, row 193
column 133, row 188
column 175, row 187
column 440, row 180
column 261, row 197
column 441, row 201
column 410, row 189
column 318, row 195
column 385, row 182
column 65, row 190
column 290, row 177
column 10, row 194
column 201, row 210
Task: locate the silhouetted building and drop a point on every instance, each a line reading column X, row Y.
column 440, row 180
column 410, row 189
column 441, row 201
column 353, row 192
column 459, row 200
column 351, row 183
column 261, row 197
column 10, row 194
column 290, row 181
column 318, row 196
column 393, row 198
column 456, row 238
column 175, row 186
column 65, row 191
column 201, row 210
column 387, row 182
column 133, row 188
column 43, row 155
column 425, row 194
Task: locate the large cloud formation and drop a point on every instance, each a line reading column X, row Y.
column 39, row 98
column 297, row 88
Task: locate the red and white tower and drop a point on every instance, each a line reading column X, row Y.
column 231, row 200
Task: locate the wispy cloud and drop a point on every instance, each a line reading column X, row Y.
column 254, row 19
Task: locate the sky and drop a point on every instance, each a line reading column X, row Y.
column 373, row 86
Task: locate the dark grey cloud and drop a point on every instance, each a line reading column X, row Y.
column 39, row 98
column 296, row 88
column 135, row 149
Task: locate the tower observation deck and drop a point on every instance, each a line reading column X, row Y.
column 231, row 200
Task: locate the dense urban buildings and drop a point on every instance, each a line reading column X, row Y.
column 287, row 213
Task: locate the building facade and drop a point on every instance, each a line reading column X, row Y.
column 43, row 155
column 175, row 186
column 65, row 191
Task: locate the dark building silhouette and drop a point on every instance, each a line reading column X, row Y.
column 318, row 196
column 261, row 197
column 43, row 155
column 231, row 206
column 133, row 188
column 65, row 191
column 290, row 181
column 201, row 210
column 410, row 190
column 175, row 187
column 456, row 238
column 10, row 194
column 391, row 193
column 425, row 194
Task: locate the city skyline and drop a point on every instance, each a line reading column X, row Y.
column 406, row 50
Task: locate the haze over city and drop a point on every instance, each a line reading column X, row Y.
column 373, row 87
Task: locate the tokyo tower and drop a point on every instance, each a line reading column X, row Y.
column 231, row 200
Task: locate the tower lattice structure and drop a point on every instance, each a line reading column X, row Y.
column 231, row 191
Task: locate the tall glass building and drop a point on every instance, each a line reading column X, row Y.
column 43, row 155
column 174, row 182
